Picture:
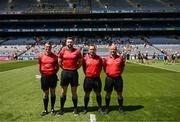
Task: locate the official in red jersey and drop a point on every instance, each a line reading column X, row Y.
column 70, row 59
column 113, row 66
column 48, row 67
column 92, row 66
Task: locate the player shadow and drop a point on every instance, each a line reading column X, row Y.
column 126, row 108
column 80, row 109
column 111, row 108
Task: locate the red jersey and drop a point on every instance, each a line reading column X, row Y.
column 92, row 66
column 70, row 58
column 48, row 64
column 113, row 66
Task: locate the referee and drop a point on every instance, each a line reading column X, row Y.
column 48, row 67
column 70, row 59
column 113, row 66
column 92, row 66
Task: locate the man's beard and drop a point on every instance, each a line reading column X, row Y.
column 70, row 46
column 113, row 53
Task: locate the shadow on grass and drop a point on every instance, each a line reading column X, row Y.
column 133, row 107
column 111, row 108
column 126, row 108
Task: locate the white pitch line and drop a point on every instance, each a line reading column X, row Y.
column 38, row 76
column 92, row 118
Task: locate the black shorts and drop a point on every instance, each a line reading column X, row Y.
column 48, row 81
column 116, row 82
column 92, row 83
column 69, row 77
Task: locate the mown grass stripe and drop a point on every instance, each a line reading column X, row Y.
column 148, row 96
column 14, row 65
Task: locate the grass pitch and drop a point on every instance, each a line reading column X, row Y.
column 150, row 94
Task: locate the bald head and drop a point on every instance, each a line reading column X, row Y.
column 113, row 46
column 113, row 49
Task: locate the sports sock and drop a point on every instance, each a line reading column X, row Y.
column 107, row 99
column 99, row 101
column 120, row 101
column 53, row 99
column 62, row 101
column 45, row 101
column 86, row 100
column 75, row 100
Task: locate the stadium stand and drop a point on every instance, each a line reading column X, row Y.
column 3, row 6
column 152, row 5
column 17, row 45
column 100, row 22
column 103, row 5
column 19, row 5
column 87, row 6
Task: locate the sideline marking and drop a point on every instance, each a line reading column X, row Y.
column 38, row 76
column 92, row 118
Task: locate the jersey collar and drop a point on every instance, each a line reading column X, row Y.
column 113, row 57
column 92, row 57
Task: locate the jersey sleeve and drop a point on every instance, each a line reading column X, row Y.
column 39, row 61
column 84, row 64
column 104, row 63
column 100, row 63
column 61, row 53
column 79, row 54
column 123, row 62
column 84, row 61
column 56, row 58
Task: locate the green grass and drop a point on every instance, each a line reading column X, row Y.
column 160, row 64
column 150, row 94
column 9, row 65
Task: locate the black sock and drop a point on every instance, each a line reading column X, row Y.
column 120, row 101
column 86, row 100
column 45, row 100
column 53, row 99
column 75, row 100
column 62, row 101
column 99, row 101
column 107, row 99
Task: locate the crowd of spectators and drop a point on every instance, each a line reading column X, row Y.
column 133, row 48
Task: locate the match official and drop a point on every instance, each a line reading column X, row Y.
column 70, row 60
column 113, row 66
column 92, row 66
column 48, row 67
